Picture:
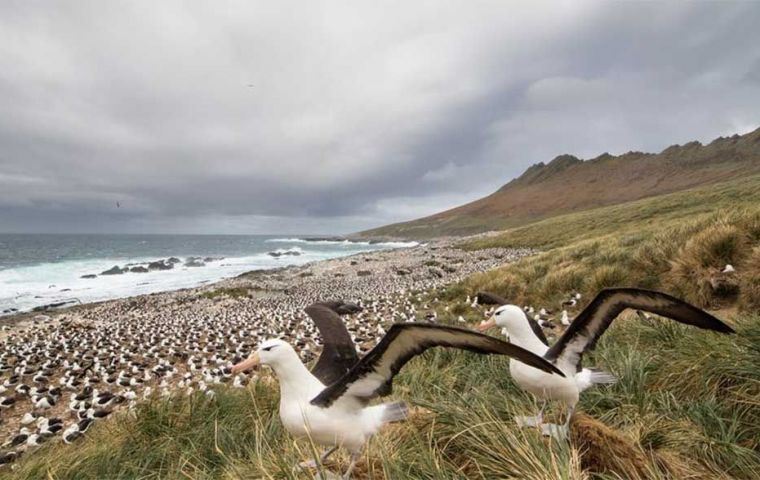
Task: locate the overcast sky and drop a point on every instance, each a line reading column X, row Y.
column 331, row 117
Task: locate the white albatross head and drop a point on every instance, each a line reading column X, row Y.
column 270, row 352
column 510, row 318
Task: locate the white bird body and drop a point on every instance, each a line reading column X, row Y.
column 541, row 384
column 346, row 423
column 580, row 336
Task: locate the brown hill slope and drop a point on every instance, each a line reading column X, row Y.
column 568, row 184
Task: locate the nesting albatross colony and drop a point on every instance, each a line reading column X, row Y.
column 63, row 371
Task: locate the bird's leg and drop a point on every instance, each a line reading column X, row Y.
column 570, row 412
column 531, row 421
column 354, row 459
column 322, row 458
column 559, row 432
column 327, row 453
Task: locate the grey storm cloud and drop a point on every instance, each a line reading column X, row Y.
column 296, row 117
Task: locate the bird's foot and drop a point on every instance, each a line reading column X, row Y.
column 557, row 432
column 523, row 422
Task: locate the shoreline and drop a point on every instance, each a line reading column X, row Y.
column 132, row 269
column 209, row 327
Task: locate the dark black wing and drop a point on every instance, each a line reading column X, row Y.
column 592, row 322
column 488, row 298
column 373, row 375
column 340, row 307
column 338, row 351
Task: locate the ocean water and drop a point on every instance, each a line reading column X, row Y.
column 38, row 270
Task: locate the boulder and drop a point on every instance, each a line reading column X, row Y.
column 138, row 269
column 115, row 270
column 194, row 262
column 160, row 265
column 364, row 273
column 281, row 253
column 89, row 275
column 173, row 260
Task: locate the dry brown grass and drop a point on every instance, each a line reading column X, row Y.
column 695, row 272
column 749, row 298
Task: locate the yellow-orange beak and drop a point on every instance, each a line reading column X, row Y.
column 486, row 325
column 247, row 364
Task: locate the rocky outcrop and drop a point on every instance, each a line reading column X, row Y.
column 284, row 253
column 194, row 262
column 160, row 265
column 115, row 270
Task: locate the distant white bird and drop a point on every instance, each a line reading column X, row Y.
column 728, row 269
column 338, row 415
column 580, row 337
column 565, row 318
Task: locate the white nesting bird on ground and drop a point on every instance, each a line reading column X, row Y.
column 580, row 337
column 336, row 413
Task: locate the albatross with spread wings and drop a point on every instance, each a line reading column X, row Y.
column 336, row 414
column 580, row 337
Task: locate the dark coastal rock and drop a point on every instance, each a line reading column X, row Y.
column 89, row 275
column 194, row 262
column 403, row 271
column 115, row 270
column 173, row 260
column 138, row 269
column 354, row 262
column 160, row 265
column 278, row 254
column 364, row 273
column 212, row 259
column 436, row 273
column 42, row 308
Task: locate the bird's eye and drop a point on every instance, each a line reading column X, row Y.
column 269, row 348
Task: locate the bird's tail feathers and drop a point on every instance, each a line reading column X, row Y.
column 395, row 412
column 600, row 377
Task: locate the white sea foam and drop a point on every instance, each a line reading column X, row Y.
column 345, row 242
column 26, row 287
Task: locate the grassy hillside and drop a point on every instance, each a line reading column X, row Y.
column 678, row 242
column 568, row 184
column 687, row 405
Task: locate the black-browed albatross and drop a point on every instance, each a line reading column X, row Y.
column 337, row 414
column 580, row 337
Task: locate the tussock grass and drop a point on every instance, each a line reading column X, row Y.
column 684, row 257
column 691, row 410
